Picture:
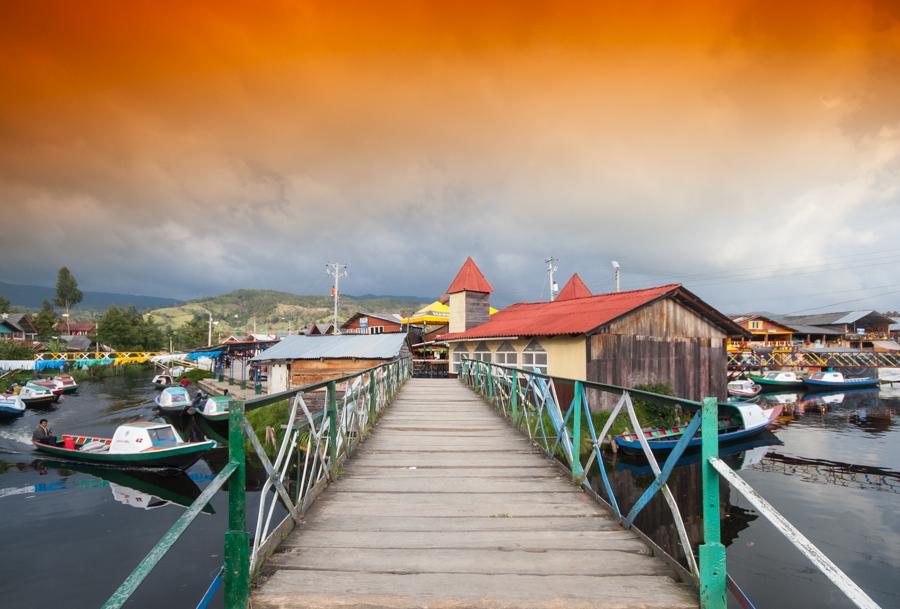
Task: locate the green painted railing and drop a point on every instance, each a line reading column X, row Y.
column 325, row 438
column 529, row 400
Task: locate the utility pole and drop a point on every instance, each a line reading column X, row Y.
column 209, row 332
column 552, row 266
column 616, row 269
column 336, row 270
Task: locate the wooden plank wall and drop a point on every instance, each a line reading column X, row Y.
column 309, row 371
column 662, row 343
column 477, row 309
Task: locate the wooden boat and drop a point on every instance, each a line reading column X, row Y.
column 161, row 381
column 737, row 420
column 216, row 408
column 11, row 406
column 140, row 444
column 778, row 379
column 743, row 388
column 827, row 381
column 35, row 395
column 57, row 391
column 173, row 400
column 65, row 383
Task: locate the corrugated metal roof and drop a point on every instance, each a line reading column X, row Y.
column 469, row 279
column 575, row 316
column 342, row 346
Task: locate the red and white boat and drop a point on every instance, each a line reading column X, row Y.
column 743, row 388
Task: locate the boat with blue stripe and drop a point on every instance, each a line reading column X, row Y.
column 829, row 381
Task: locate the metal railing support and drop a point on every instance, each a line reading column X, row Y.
column 712, row 552
column 237, row 539
column 373, row 398
column 332, row 420
column 514, row 397
column 577, row 470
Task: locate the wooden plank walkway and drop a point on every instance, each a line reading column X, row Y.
column 447, row 506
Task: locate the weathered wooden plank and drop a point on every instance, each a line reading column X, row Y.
column 325, row 589
column 473, row 561
column 499, row 523
column 400, row 484
column 458, row 508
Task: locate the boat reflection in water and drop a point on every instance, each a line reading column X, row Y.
column 137, row 488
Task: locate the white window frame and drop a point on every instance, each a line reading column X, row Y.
column 532, row 355
column 483, row 354
column 458, row 353
column 506, row 355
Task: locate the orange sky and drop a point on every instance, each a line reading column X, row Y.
column 287, row 115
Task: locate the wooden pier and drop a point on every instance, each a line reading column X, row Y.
column 447, row 506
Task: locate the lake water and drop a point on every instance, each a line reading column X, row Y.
column 70, row 537
column 831, row 467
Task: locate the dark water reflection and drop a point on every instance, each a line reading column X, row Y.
column 831, row 466
column 72, row 533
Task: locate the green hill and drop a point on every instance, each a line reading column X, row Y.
column 271, row 310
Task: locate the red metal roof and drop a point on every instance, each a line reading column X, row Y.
column 469, row 279
column 572, row 316
column 574, row 288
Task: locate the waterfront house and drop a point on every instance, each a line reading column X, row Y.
column 373, row 323
column 303, row 360
column 20, row 327
column 664, row 334
column 856, row 329
column 76, row 328
column 764, row 331
column 320, row 329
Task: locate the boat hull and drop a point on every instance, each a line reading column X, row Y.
column 633, row 447
column 40, row 401
column 768, row 383
column 179, row 457
column 819, row 386
column 8, row 412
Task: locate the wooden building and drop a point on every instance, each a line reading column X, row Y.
column 664, row 334
column 373, row 323
column 19, row 326
column 857, row 329
column 303, row 360
column 764, row 332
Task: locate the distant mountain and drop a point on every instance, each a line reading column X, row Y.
column 391, row 297
column 272, row 310
column 31, row 296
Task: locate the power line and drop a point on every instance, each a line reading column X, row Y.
column 845, row 302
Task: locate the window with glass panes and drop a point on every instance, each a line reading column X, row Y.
column 459, row 352
column 506, row 355
column 482, row 352
column 535, row 356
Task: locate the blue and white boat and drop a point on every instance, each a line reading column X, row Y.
column 173, row 400
column 829, row 381
column 11, row 406
column 737, row 420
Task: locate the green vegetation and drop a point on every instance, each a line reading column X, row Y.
column 272, row 311
column 45, row 321
column 67, row 292
column 196, row 374
column 192, row 334
column 4, row 304
column 15, row 350
column 127, row 330
column 16, row 378
column 274, row 415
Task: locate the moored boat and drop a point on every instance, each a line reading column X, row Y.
column 216, row 408
column 161, row 381
column 56, row 391
column 778, row 379
column 65, row 383
column 737, row 420
column 173, row 400
column 743, row 388
column 35, row 395
column 140, row 444
column 826, row 381
column 11, row 406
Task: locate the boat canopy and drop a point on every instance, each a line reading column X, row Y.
column 217, row 404
column 174, row 396
column 781, row 375
column 140, row 436
column 834, row 377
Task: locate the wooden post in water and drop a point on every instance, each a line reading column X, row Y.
column 712, row 552
column 237, row 539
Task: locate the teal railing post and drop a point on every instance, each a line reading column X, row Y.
column 514, row 396
column 333, row 422
column 577, row 470
column 373, row 399
column 237, row 539
column 490, row 379
column 712, row 552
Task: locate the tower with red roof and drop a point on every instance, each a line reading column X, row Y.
column 469, row 298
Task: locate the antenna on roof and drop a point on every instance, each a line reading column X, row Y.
column 552, row 266
column 615, row 266
column 336, row 270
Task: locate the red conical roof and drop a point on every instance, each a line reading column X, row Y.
column 574, row 288
column 469, row 279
